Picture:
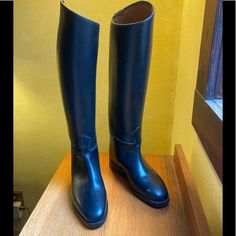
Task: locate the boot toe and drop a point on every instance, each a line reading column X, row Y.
column 96, row 212
column 159, row 194
column 155, row 197
column 91, row 210
column 152, row 191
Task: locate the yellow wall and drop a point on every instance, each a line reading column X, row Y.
column 207, row 182
column 40, row 132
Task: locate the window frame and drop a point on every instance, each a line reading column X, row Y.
column 205, row 121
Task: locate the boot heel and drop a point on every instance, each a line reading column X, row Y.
column 116, row 168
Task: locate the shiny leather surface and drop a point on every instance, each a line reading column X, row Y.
column 77, row 47
column 130, row 50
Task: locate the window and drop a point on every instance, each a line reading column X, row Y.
column 207, row 109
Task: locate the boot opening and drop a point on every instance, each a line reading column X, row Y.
column 68, row 6
column 134, row 13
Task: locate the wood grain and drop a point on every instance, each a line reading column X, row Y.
column 209, row 129
column 205, row 122
column 127, row 215
column 192, row 205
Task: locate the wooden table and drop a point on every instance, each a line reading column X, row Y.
column 127, row 215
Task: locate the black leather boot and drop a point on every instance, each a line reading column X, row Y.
column 130, row 49
column 77, row 48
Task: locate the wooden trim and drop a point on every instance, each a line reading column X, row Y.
column 209, row 129
column 206, row 42
column 205, row 121
column 192, row 205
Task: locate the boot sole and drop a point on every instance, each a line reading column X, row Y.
column 148, row 201
column 91, row 225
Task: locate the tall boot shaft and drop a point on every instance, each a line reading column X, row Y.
column 77, row 48
column 130, row 51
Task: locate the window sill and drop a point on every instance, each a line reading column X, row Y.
column 208, row 126
column 217, row 106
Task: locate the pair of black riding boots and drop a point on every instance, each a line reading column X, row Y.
column 130, row 49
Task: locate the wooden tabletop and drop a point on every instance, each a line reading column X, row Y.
column 127, row 215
